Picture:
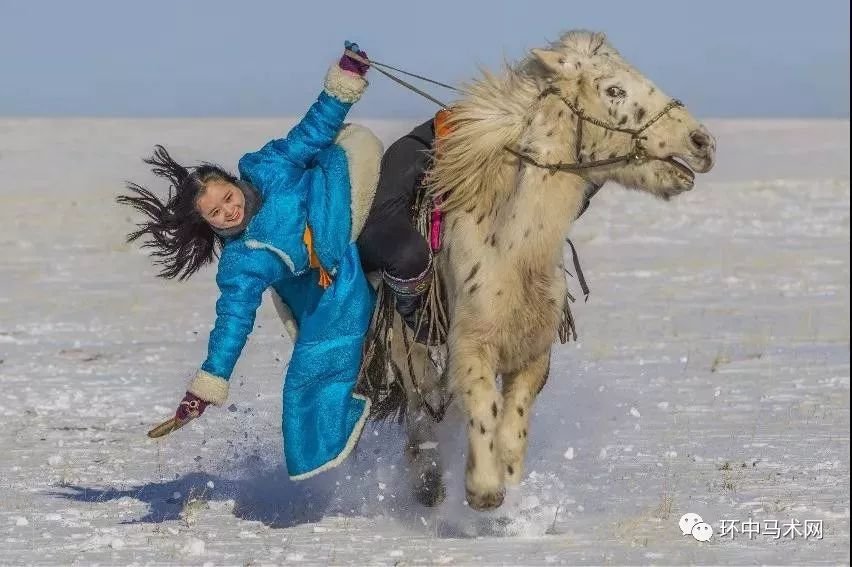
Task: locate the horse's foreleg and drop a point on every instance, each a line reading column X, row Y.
column 519, row 392
column 474, row 382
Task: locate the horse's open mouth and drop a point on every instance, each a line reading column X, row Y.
column 681, row 169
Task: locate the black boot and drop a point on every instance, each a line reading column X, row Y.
column 411, row 303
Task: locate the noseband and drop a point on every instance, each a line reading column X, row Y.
column 637, row 150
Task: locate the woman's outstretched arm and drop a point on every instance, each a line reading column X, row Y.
column 242, row 278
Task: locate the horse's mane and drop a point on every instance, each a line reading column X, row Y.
column 491, row 115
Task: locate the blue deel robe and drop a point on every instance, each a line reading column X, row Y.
column 302, row 179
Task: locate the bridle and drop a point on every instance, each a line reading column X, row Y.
column 637, row 151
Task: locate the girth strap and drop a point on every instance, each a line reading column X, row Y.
column 580, row 277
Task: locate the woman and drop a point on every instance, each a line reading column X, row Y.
column 289, row 223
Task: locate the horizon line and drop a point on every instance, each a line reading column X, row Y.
column 293, row 116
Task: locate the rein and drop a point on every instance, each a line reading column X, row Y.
column 382, row 68
column 637, row 152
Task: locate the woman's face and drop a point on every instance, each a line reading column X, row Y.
column 221, row 204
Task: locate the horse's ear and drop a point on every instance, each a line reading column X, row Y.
column 552, row 60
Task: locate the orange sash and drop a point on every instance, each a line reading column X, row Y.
column 324, row 277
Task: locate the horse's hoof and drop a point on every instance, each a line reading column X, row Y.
column 485, row 501
column 430, row 490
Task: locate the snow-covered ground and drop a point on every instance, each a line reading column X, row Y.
column 711, row 376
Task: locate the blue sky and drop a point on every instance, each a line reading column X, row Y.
column 724, row 58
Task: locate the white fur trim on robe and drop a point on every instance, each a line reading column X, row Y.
column 351, row 443
column 209, row 388
column 343, row 85
column 364, row 156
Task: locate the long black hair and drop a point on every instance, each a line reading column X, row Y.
column 181, row 239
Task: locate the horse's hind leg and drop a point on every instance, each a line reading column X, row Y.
column 519, row 392
column 423, row 456
column 422, row 452
column 475, row 385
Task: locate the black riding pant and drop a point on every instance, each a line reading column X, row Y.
column 389, row 240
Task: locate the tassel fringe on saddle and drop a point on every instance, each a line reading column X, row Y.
column 381, row 378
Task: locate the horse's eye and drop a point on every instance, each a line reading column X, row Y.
column 616, row 92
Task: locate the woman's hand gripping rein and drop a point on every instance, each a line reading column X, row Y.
column 190, row 407
column 354, row 60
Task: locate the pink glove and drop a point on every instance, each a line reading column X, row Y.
column 191, row 406
column 347, row 63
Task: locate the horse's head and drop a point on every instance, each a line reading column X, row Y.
column 628, row 116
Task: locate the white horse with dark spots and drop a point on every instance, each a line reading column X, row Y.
column 524, row 149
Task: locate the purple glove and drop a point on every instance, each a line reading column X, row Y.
column 347, row 63
column 191, row 406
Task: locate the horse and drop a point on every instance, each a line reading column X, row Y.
column 524, row 151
